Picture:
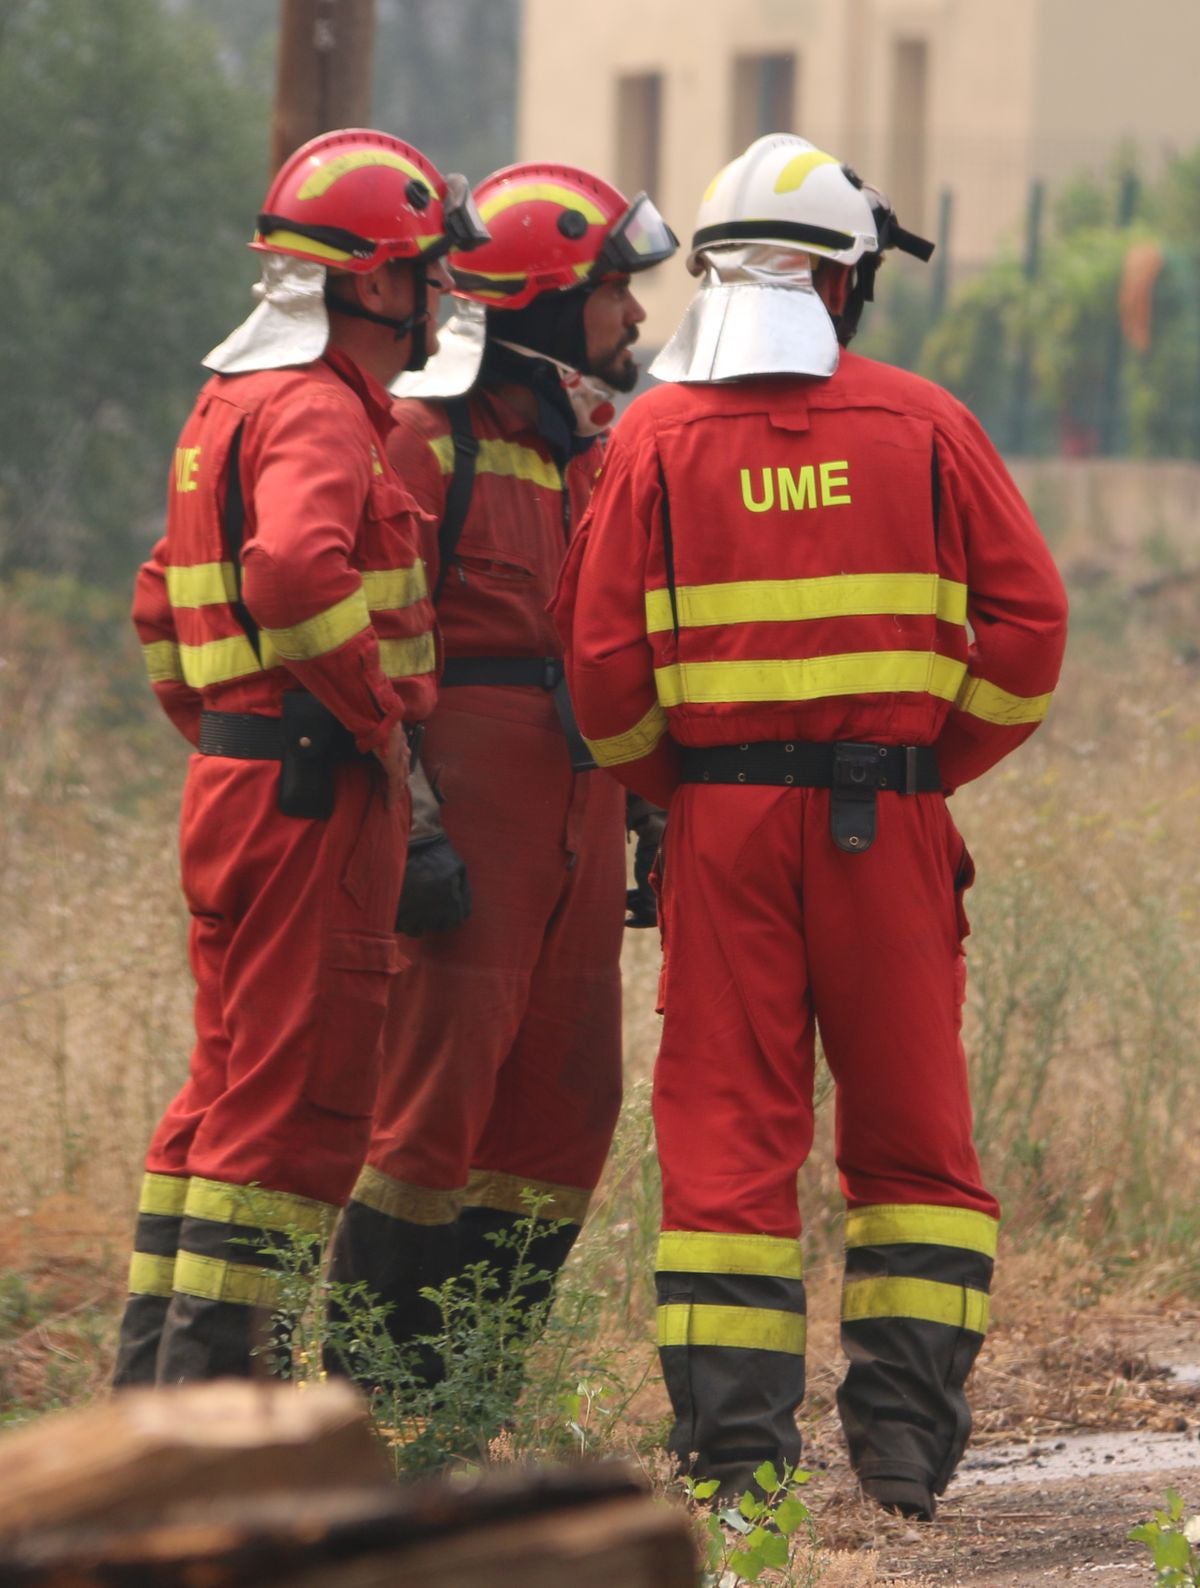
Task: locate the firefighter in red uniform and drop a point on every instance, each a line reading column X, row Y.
column 806, row 604
column 289, row 635
column 502, row 1073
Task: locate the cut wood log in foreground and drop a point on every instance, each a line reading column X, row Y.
column 232, row 1484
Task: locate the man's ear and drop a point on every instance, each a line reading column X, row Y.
column 368, row 288
column 832, row 282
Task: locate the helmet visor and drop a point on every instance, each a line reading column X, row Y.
column 464, row 224
column 640, row 238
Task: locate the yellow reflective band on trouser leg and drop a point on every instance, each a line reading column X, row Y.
column 510, row 1193
column 922, row 1224
column 254, row 1207
column 150, row 1275
column 414, row 1204
column 705, row 1252
column 922, row 1300
column 163, row 1194
column 214, row 1279
column 743, row 1328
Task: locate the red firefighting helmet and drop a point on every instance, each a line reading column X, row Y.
column 354, row 199
column 554, row 227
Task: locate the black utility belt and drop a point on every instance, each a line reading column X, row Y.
column 306, row 739
column 855, row 772
column 524, row 672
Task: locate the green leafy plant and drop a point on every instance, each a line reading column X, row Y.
column 1172, row 1543
column 744, row 1541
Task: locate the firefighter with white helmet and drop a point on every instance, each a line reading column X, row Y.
column 503, row 1050
column 289, row 635
column 807, row 604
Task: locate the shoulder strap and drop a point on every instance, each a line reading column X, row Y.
column 462, row 485
column 233, row 521
column 669, row 550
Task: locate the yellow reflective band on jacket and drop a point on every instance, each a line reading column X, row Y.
column 510, row 1193
column 508, row 458
column 744, row 1328
column 251, row 1207
column 527, row 192
column 392, row 589
column 201, row 584
column 918, row 1224
column 213, row 1279
column 323, row 632
column 791, row 600
column 414, row 1204
column 810, row 678
column 930, row 1301
column 688, row 1252
column 978, row 698
column 404, row 658
column 163, row 1193
column 150, row 1275
column 633, row 744
column 218, row 661
column 164, row 664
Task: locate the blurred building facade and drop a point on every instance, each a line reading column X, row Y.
column 974, row 99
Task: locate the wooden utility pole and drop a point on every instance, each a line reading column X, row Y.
column 324, row 76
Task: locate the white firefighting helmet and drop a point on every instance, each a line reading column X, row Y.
column 763, row 223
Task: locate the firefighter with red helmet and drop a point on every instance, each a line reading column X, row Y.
column 807, row 604
column 502, row 1073
column 289, row 635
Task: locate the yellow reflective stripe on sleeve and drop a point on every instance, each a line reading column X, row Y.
column 406, row 658
column 324, row 632
column 919, row 1224
column 414, row 1204
column 552, row 192
column 391, row 589
column 217, row 661
column 507, row 458
column 810, row 678
column 163, row 1193
column 701, row 1252
column 150, row 1275
column 510, row 1193
column 251, row 1207
column 978, row 698
column 202, row 584
column 930, row 1301
column 633, row 744
column 213, row 1279
column 798, row 600
column 164, row 665
column 745, row 1328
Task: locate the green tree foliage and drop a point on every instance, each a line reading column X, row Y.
column 1046, row 363
column 134, row 166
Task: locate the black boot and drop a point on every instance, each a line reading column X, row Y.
column 396, row 1260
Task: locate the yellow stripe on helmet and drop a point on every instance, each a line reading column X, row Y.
column 324, row 177
column 550, row 192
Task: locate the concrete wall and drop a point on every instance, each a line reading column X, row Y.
column 1014, row 89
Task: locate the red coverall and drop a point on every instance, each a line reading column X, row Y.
column 841, row 560
column 502, row 1068
column 292, row 942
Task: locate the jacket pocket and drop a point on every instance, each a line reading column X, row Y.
column 356, row 977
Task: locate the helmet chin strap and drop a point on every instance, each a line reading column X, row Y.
column 412, row 325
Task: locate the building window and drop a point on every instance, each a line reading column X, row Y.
column 764, row 97
column 910, row 130
column 639, row 133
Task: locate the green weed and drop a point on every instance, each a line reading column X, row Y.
column 1172, row 1543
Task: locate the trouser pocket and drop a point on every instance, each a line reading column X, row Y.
column 356, row 977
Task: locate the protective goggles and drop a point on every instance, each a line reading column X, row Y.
column 891, row 233
column 640, row 238
column 464, row 224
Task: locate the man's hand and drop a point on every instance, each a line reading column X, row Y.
column 394, row 758
column 437, row 895
column 648, row 823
